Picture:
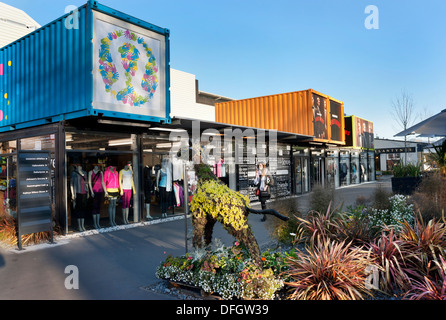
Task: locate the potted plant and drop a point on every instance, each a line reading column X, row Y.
column 406, row 178
column 439, row 157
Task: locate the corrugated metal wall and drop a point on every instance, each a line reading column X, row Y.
column 47, row 73
column 287, row 112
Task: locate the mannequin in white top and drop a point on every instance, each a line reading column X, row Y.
column 126, row 187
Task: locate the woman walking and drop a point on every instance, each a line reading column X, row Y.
column 263, row 181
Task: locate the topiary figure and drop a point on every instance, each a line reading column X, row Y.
column 214, row 201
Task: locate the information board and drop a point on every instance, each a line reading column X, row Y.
column 34, row 193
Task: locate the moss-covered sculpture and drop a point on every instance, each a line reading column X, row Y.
column 214, row 201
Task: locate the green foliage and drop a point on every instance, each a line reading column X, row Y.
column 399, row 212
column 321, row 198
column 285, row 231
column 227, row 271
column 221, row 203
column 430, row 197
column 439, row 157
column 390, row 255
column 408, row 170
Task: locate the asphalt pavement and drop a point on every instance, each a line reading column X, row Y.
column 119, row 264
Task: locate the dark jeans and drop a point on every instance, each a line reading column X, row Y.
column 81, row 205
column 164, row 199
column 98, row 196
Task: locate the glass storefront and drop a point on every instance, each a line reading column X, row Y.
column 317, row 168
column 344, row 168
column 8, row 180
column 163, row 194
column 355, row 168
column 363, row 167
column 332, row 169
column 371, row 166
column 301, row 163
column 87, row 162
column 97, row 165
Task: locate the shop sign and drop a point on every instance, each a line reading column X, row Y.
column 34, row 193
column 395, row 150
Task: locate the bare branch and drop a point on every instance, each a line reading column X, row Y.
column 403, row 109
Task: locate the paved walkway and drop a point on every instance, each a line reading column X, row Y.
column 115, row 265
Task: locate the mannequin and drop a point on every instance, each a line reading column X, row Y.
column 111, row 181
column 147, row 190
column 126, row 187
column 79, row 194
column 97, row 188
column 164, row 184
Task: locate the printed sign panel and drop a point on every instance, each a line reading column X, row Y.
column 129, row 68
column 363, row 133
column 320, row 117
column 335, row 121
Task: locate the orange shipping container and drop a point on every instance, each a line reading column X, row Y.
column 306, row 112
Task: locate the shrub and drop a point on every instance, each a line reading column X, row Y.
column 430, row 197
column 320, row 225
column 391, row 255
column 8, row 233
column 328, row 271
column 283, row 231
column 380, row 198
column 394, row 217
column 356, row 227
column 227, row 271
column 321, row 198
column 426, row 240
column 430, row 287
column 408, row 170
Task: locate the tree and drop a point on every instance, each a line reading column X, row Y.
column 403, row 112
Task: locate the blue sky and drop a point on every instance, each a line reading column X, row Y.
column 250, row 48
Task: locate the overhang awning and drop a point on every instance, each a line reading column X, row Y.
column 434, row 126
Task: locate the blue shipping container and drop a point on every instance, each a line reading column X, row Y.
column 92, row 61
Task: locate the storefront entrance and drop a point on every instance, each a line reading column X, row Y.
column 301, row 174
column 317, row 169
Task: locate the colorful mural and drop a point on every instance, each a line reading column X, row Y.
column 128, row 69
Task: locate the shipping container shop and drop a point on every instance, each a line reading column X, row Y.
column 313, row 129
column 359, row 137
column 93, row 133
column 78, row 97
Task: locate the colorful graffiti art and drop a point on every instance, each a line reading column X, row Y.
column 129, row 55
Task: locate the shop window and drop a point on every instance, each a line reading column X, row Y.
column 8, row 186
column 164, row 175
column 363, row 167
column 86, row 140
column 355, row 168
column 8, row 147
column 344, row 169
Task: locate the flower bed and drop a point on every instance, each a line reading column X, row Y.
column 226, row 271
column 360, row 253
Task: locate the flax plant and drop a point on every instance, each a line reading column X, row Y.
column 329, row 270
column 391, row 255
